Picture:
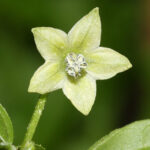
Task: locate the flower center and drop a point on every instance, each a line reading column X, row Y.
column 75, row 63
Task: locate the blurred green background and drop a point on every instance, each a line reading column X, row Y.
column 120, row 100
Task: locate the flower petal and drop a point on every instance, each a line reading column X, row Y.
column 81, row 92
column 85, row 34
column 50, row 42
column 104, row 63
column 47, row 78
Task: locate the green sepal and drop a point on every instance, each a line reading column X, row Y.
column 7, row 146
column 33, row 146
column 39, row 147
column 6, row 128
column 135, row 136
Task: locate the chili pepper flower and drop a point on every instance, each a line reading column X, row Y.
column 74, row 61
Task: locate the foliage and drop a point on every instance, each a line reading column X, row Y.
column 135, row 136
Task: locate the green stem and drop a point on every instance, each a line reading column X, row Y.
column 34, row 120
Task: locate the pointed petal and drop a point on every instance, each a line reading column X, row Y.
column 50, row 42
column 81, row 93
column 86, row 33
column 104, row 63
column 47, row 78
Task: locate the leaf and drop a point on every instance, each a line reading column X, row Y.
column 146, row 148
column 135, row 136
column 6, row 128
column 146, row 137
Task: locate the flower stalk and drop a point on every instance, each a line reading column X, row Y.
column 34, row 120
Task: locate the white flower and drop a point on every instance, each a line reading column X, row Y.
column 74, row 61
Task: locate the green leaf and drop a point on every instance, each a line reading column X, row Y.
column 146, row 148
column 135, row 136
column 6, row 128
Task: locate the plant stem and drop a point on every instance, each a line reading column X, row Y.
column 34, row 120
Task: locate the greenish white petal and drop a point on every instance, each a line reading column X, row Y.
column 104, row 63
column 86, row 33
column 47, row 78
column 50, row 42
column 81, row 92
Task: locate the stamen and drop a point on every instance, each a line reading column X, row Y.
column 75, row 63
